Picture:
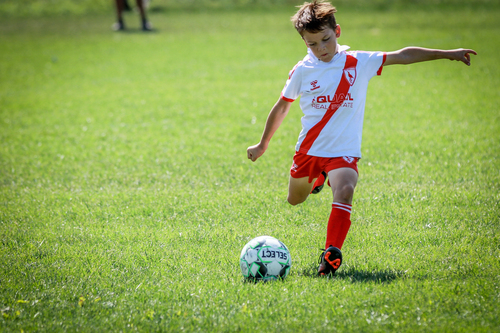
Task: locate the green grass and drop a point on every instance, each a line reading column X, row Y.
column 126, row 195
column 39, row 8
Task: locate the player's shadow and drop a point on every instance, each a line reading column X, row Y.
column 359, row 276
column 363, row 276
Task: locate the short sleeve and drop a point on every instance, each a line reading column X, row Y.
column 374, row 62
column 384, row 56
column 292, row 89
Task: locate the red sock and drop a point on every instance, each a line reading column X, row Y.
column 338, row 225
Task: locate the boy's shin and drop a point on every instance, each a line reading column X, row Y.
column 338, row 225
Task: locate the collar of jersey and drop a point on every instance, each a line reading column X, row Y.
column 315, row 60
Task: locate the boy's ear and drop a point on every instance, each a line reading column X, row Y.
column 337, row 31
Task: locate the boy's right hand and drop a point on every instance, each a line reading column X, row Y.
column 254, row 152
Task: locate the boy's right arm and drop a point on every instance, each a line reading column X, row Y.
column 274, row 120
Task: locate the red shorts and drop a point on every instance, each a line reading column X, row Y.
column 312, row 166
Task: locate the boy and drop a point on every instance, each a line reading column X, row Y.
column 332, row 84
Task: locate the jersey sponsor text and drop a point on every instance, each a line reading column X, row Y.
column 324, row 102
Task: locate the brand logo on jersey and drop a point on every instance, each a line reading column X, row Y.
column 314, row 85
column 348, row 159
column 350, row 75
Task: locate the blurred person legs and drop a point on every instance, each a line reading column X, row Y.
column 122, row 5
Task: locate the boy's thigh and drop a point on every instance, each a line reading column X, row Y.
column 299, row 189
column 343, row 178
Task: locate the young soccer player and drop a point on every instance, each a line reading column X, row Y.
column 332, row 84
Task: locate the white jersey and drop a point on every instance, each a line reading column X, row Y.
column 333, row 97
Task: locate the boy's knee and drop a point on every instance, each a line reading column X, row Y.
column 346, row 192
column 295, row 201
column 349, row 190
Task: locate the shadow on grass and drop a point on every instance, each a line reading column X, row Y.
column 359, row 276
column 158, row 9
column 133, row 31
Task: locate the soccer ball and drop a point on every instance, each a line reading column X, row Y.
column 265, row 258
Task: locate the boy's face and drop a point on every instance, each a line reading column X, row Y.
column 323, row 44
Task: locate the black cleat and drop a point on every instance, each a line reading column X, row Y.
column 329, row 261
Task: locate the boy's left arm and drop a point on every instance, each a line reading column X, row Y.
column 410, row 55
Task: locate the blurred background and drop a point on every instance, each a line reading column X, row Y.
column 20, row 8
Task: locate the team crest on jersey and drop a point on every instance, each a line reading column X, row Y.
column 348, row 159
column 350, row 75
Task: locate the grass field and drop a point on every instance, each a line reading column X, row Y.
column 126, row 195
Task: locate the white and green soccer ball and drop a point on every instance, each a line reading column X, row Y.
column 265, row 258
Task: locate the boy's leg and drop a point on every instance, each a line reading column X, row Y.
column 303, row 174
column 299, row 189
column 343, row 181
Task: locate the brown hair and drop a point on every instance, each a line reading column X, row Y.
column 314, row 17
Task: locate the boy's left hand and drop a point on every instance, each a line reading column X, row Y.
column 462, row 55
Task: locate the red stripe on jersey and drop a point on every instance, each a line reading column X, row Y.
column 340, row 96
column 379, row 72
